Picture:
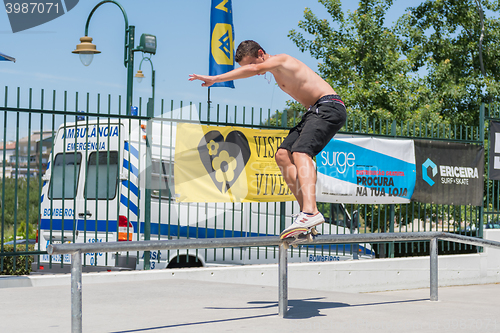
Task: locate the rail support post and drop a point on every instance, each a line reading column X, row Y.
column 434, row 269
column 283, row 280
column 76, row 292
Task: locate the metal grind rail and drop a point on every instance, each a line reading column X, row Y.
column 76, row 250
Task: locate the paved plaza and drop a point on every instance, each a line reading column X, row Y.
column 195, row 306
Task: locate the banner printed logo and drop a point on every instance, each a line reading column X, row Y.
column 222, row 6
column 451, row 173
column 224, row 160
column 223, row 44
column 425, row 176
column 25, row 14
column 366, row 170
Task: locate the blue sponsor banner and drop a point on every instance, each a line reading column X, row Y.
column 366, row 170
column 221, row 59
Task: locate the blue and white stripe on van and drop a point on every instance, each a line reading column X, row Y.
column 45, row 182
column 130, row 194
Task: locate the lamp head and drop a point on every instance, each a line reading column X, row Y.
column 86, row 50
column 147, row 43
column 139, row 76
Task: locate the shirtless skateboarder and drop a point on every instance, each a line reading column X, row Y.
column 325, row 117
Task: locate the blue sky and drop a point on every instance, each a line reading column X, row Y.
column 45, row 61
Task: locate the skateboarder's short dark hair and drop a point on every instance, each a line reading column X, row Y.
column 247, row 48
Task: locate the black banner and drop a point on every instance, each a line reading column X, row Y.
column 494, row 163
column 449, row 173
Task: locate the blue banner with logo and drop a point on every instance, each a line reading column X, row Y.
column 449, row 173
column 365, row 171
column 221, row 59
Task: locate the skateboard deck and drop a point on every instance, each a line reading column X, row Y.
column 298, row 235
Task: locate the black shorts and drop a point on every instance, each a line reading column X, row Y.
column 317, row 127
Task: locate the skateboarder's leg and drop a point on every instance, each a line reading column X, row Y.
column 288, row 169
column 306, row 174
column 305, row 186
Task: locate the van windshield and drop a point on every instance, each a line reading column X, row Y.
column 102, row 175
column 65, row 172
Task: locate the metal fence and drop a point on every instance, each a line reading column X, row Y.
column 31, row 119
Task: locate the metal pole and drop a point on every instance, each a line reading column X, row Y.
column 434, row 269
column 482, row 138
column 148, row 191
column 130, row 68
column 283, row 281
column 282, row 216
column 76, row 292
column 198, row 243
column 392, row 214
column 128, row 49
column 209, row 102
column 481, row 37
column 391, row 230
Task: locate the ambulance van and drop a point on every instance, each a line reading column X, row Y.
column 94, row 191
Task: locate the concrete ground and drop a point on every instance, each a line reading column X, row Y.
column 194, row 306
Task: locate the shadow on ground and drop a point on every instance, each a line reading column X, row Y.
column 297, row 309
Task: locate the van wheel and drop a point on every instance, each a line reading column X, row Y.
column 184, row 261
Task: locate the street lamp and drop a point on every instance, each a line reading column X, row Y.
column 147, row 44
column 139, row 76
column 86, row 49
column 149, row 135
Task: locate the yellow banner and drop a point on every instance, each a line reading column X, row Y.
column 228, row 164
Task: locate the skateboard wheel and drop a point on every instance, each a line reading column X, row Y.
column 314, row 231
column 309, row 237
column 286, row 245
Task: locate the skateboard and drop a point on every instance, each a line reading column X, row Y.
column 299, row 235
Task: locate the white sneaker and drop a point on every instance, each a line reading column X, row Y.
column 303, row 220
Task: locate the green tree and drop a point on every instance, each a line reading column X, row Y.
column 362, row 59
column 458, row 44
column 16, row 210
column 378, row 69
column 294, row 112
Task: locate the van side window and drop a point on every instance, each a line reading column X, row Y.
column 102, row 176
column 65, row 173
column 162, row 179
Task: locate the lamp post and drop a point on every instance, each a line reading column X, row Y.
column 149, row 137
column 139, row 76
column 147, row 44
column 86, row 49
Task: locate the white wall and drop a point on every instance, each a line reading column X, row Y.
column 345, row 276
column 364, row 275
